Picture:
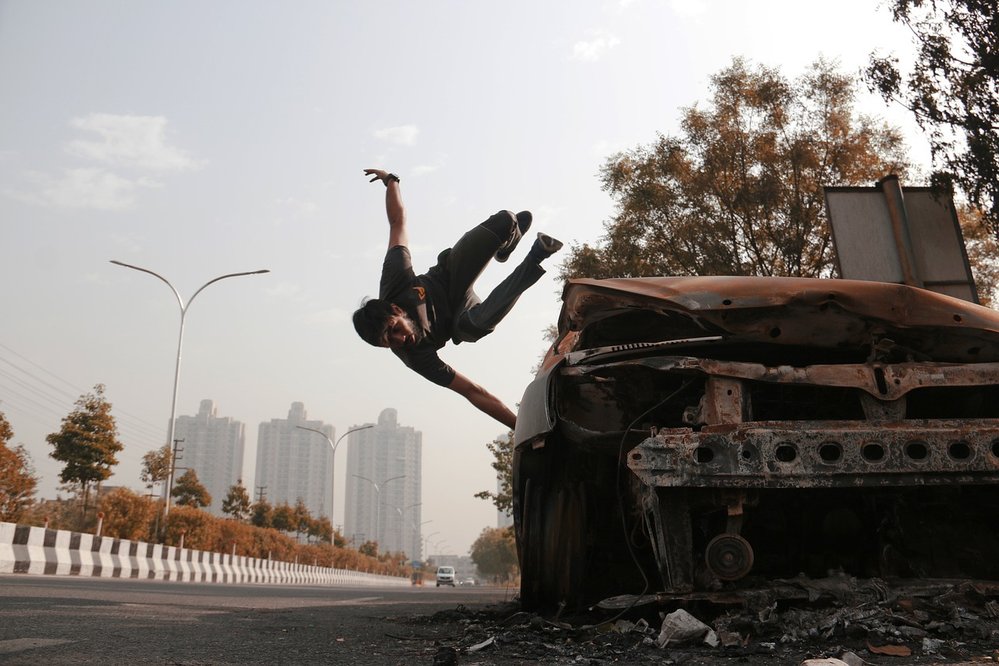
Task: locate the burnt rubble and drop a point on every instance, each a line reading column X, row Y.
column 833, row 620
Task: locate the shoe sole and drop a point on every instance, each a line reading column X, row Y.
column 524, row 220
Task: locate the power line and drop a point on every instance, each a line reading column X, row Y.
column 47, row 403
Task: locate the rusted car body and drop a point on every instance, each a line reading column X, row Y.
column 707, row 433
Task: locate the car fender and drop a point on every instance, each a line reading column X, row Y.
column 537, row 414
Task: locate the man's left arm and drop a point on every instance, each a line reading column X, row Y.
column 483, row 400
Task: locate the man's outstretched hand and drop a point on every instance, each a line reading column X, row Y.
column 379, row 174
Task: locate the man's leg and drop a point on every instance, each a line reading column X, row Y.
column 469, row 256
column 473, row 251
column 481, row 318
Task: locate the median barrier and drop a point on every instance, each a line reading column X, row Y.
column 42, row 551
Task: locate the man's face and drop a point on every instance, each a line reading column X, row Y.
column 400, row 332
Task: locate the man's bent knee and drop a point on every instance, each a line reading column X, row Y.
column 503, row 224
column 466, row 330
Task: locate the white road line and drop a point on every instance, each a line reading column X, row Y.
column 22, row 644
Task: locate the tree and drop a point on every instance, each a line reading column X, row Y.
column 502, row 450
column 495, row 552
column 237, row 502
column 87, row 443
column 739, row 191
column 321, row 529
column 17, row 478
column 369, row 548
column 283, row 518
column 189, row 491
column 952, row 90
column 128, row 515
column 261, row 513
column 300, row 517
column 156, row 466
column 983, row 249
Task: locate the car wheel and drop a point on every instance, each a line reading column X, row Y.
column 554, row 528
column 565, row 552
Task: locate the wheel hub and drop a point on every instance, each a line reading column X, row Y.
column 729, row 556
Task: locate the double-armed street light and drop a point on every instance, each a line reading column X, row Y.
column 402, row 517
column 333, row 458
column 180, row 344
column 378, row 500
column 426, row 544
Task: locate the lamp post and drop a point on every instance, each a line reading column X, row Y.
column 426, row 544
column 378, row 501
column 180, row 344
column 333, row 460
column 418, row 530
column 402, row 521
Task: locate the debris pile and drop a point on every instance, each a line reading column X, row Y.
column 832, row 621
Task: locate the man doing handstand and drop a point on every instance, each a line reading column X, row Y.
column 415, row 315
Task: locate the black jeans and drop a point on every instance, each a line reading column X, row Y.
column 473, row 318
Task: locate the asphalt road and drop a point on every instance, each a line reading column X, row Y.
column 64, row 620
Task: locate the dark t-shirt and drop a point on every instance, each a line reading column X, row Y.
column 424, row 299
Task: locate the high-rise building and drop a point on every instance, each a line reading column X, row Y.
column 213, row 447
column 293, row 463
column 384, row 477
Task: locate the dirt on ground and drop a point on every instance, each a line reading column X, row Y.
column 832, row 622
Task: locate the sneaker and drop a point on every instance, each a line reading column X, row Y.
column 524, row 219
column 544, row 247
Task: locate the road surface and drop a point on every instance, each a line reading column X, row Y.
column 65, row 620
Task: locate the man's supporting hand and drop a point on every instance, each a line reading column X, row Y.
column 483, row 400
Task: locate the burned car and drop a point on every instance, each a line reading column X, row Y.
column 706, row 433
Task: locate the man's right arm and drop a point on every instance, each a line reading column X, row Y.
column 393, row 206
column 483, row 400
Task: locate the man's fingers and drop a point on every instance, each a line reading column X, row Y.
column 374, row 179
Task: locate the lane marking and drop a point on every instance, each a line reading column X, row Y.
column 22, row 644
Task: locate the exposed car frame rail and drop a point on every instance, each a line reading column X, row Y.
column 806, row 454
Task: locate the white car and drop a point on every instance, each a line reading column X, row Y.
column 445, row 576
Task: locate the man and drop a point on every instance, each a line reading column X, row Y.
column 415, row 315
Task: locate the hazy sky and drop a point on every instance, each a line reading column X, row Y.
column 202, row 138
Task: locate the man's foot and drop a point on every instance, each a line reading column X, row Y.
column 544, row 247
column 524, row 219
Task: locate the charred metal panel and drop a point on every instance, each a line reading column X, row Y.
column 821, row 455
column 723, row 402
column 883, row 381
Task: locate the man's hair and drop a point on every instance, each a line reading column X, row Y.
column 371, row 319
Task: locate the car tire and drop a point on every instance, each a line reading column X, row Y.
column 553, row 534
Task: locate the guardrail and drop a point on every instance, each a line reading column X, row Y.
column 37, row 550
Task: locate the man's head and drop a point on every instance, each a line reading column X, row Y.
column 385, row 324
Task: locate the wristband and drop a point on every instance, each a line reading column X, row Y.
column 391, row 177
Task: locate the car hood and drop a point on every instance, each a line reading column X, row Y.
column 796, row 311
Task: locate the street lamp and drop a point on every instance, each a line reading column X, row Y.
column 426, row 544
column 176, row 372
column 438, row 545
column 333, row 459
column 402, row 522
column 378, row 501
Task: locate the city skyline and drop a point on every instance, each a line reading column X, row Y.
column 292, row 465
